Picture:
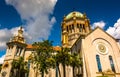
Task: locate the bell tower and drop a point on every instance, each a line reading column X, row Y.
column 74, row 25
column 15, row 49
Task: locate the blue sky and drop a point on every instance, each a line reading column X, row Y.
column 42, row 19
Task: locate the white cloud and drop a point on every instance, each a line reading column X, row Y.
column 110, row 30
column 100, row 24
column 36, row 15
column 115, row 30
column 5, row 35
column 2, row 59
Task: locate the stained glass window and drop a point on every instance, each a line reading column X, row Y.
column 98, row 63
column 111, row 63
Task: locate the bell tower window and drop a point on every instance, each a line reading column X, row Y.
column 77, row 25
column 80, row 28
column 84, row 28
column 67, row 29
column 18, row 51
column 73, row 28
column 70, row 28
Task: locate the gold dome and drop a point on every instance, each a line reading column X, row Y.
column 76, row 14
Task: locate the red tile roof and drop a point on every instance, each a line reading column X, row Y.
column 57, row 48
column 29, row 46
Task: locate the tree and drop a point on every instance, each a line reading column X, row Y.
column 57, row 61
column 75, row 62
column 63, row 57
column 19, row 67
column 42, row 57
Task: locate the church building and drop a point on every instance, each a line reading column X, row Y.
column 99, row 51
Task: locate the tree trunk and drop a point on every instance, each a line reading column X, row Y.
column 73, row 71
column 42, row 73
column 16, row 73
column 36, row 73
column 56, row 71
column 59, row 71
column 19, row 73
column 64, row 72
column 81, row 71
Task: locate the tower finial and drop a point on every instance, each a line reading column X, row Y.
column 19, row 37
column 85, row 15
column 21, row 27
column 20, row 32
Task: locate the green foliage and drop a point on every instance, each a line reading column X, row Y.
column 75, row 60
column 20, row 67
column 45, row 57
column 42, row 57
column 63, row 56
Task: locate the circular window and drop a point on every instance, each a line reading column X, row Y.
column 102, row 48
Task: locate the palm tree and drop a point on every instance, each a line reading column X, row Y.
column 75, row 62
column 42, row 57
column 63, row 57
column 19, row 67
column 57, row 59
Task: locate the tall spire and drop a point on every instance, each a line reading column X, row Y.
column 19, row 37
column 20, row 32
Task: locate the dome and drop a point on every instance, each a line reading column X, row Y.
column 76, row 14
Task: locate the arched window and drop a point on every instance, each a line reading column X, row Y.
column 84, row 27
column 28, row 64
column 70, row 28
column 98, row 63
column 80, row 28
column 73, row 28
column 111, row 63
column 18, row 51
column 67, row 29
